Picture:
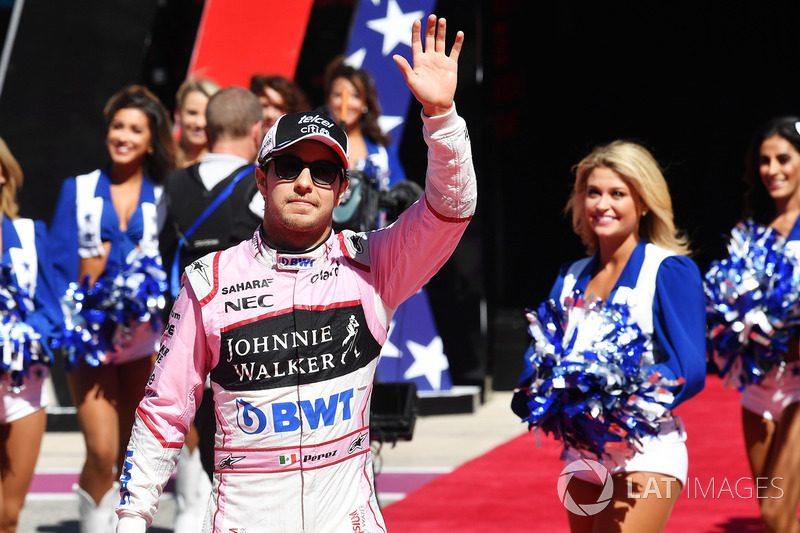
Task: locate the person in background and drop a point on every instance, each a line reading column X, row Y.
column 771, row 404
column 622, row 211
column 378, row 190
column 268, row 321
column 278, row 95
column 191, row 100
column 30, row 318
column 224, row 174
column 192, row 486
column 350, row 98
column 223, row 181
column 103, row 222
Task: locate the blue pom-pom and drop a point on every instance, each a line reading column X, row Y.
column 20, row 342
column 593, row 386
column 753, row 304
column 98, row 319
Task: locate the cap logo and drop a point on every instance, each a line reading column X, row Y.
column 313, row 128
column 269, row 142
column 296, row 127
column 305, row 119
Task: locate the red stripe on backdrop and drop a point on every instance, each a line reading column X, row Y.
column 513, row 487
column 237, row 39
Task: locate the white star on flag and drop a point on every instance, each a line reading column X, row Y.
column 395, row 27
column 429, row 361
column 356, row 59
column 388, row 123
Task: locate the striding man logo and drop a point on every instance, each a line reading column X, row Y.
column 349, row 341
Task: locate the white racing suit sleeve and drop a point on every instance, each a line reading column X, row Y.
column 164, row 414
column 404, row 256
column 450, row 185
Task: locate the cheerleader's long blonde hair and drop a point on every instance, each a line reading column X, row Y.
column 639, row 169
column 13, row 173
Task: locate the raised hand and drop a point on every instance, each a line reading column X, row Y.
column 434, row 76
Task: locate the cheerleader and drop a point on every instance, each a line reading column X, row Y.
column 191, row 101
column 771, row 404
column 30, row 319
column 351, row 98
column 192, row 484
column 277, row 95
column 100, row 219
column 621, row 209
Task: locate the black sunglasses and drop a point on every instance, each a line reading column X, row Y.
column 288, row 167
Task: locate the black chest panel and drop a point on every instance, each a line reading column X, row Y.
column 294, row 348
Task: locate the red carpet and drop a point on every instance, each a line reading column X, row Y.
column 513, row 487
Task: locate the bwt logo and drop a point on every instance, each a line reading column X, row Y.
column 585, row 509
column 286, row 415
column 297, row 261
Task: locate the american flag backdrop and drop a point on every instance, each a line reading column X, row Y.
column 382, row 28
column 414, row 351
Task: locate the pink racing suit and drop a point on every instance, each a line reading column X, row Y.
column 291, row 342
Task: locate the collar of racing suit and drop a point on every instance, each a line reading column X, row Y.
column 290, row 260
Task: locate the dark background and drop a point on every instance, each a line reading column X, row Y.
column 690, row 81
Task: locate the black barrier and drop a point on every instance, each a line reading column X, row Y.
column 395, row 407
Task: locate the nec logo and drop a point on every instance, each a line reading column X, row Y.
column 249, row 302
column 286, row 416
